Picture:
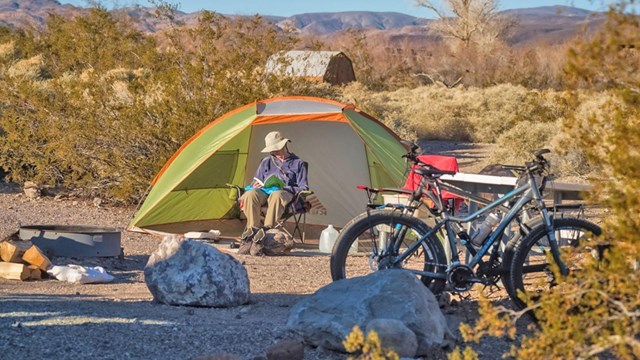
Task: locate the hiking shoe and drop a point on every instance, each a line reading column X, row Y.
column 259, row 235
column 257, row 245
column 248, row 233
column 245, row 248
column 257, row 249
column 246, row 240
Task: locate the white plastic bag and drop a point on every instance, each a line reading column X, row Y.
column 77, row 274
column 198, row 235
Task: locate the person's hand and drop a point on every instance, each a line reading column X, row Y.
column 256, row 185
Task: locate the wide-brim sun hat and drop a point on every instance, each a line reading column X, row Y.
column 274, row 141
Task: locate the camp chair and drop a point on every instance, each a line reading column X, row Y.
column 296, row 210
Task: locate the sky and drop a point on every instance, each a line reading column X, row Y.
column 292, row 7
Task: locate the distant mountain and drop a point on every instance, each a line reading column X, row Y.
column 551, row 24
column 545, row 11
column 21, row 13
column 326, row 23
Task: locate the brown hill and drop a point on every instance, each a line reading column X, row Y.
column 28, row 13
column 552, row 24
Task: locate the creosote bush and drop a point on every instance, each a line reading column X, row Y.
column 91, row 102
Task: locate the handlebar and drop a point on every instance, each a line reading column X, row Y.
column 538, row 166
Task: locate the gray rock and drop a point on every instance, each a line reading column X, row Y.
column 328, row 316
column 185, row 272
column 394, row 335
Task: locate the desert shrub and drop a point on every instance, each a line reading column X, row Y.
column 91, row 102
column 516, row 145
column 595, row 312
column 461, row 114
column 367, row 348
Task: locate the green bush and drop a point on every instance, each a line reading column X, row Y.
column 91, row 102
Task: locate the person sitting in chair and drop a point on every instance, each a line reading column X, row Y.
column 282, row 164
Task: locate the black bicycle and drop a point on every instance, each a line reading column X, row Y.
column 390, row 236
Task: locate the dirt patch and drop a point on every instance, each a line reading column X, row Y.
column 119, row 320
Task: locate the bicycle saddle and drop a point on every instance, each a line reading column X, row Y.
column 430, row 171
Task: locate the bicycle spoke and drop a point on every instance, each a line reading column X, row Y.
column 531, row 269
column 375, row 242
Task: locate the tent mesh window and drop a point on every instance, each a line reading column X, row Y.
column 225, row 162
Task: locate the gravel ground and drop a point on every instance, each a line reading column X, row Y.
column 119, row 320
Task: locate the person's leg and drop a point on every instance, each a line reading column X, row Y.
column 277, row 202
column 252, row 201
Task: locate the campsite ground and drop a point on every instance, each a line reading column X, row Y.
column 56, row 320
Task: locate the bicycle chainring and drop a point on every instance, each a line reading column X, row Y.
column 461, row 277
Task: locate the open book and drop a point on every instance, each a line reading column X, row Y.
column 271, row 181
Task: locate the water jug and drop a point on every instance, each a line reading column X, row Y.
column 327, row 239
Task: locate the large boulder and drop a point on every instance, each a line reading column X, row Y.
column 187, row 272
column 328, row 316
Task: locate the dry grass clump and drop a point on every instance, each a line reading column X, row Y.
column 28, row 69
column 516, row 144
column 517, row 119
column 461, row 114
column 7, row 50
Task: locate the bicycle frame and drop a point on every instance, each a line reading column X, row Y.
column 527, row 193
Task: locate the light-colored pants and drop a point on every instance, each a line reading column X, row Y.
column 253, row 200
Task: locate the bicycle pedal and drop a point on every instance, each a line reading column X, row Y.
column 491, row 289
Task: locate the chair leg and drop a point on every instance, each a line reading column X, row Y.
column 296, row 228
column 304, row 226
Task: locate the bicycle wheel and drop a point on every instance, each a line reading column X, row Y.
column 520, row 231
column 361, row 247
column 530, row 269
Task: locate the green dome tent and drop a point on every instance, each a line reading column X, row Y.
column 343, row 146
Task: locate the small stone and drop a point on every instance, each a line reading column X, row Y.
column 286, row 350
column 30, row 184
column 218, row 357
column 97, row 202
column 32, row 193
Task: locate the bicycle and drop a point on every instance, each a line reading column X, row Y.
column 391, row 237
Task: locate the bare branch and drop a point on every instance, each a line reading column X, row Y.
column 469, row 21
